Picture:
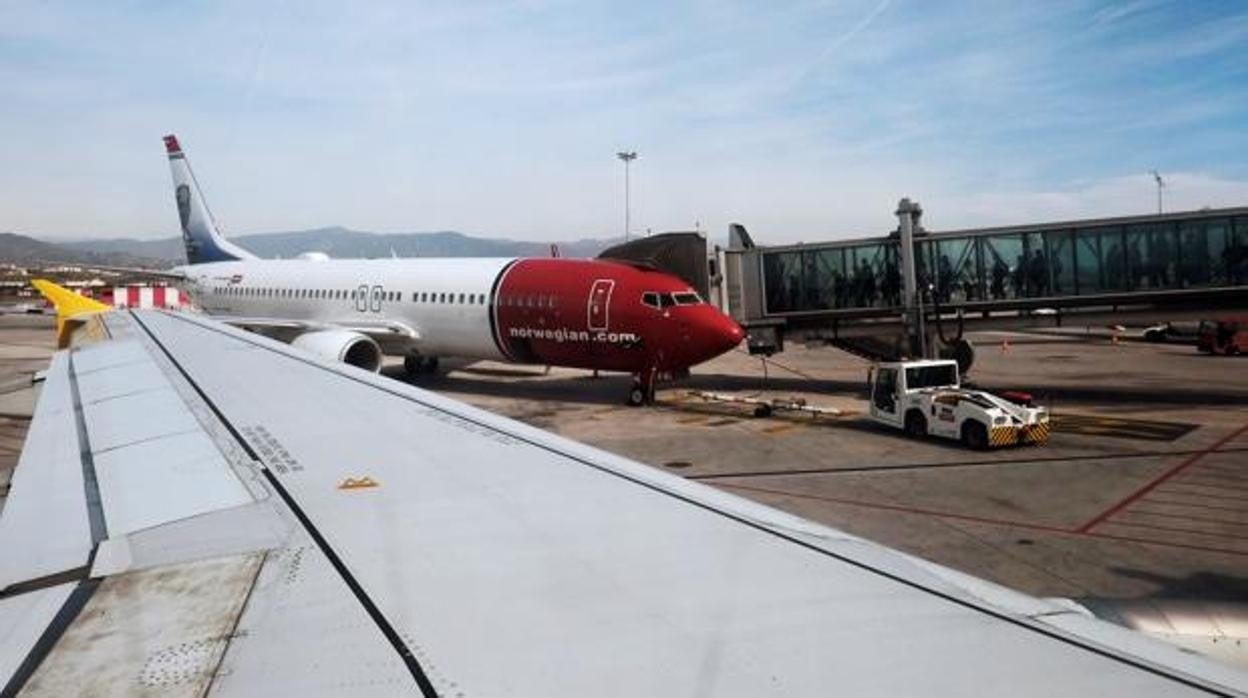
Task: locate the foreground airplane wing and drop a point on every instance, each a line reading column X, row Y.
column 202, row 510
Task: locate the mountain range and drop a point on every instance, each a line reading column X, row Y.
column 337, row 242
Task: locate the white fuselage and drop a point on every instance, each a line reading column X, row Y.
column 444, row 302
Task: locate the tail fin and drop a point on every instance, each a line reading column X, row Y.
column 204, row 243
column 71, row 308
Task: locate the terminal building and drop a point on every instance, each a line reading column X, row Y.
column 1160, row 266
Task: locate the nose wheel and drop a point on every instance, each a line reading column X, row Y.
column 642, row 392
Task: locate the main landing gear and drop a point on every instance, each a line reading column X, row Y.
column 416, row 364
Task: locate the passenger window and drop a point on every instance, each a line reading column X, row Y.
column 461, row 298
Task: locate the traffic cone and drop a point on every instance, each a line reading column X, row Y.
column 1005, row 345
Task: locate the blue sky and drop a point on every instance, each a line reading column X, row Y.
column 803, row 120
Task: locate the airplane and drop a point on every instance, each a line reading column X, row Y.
column 200, row 510
column 593, row 314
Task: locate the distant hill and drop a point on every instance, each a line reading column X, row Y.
column 23, row 249
column 343, row 243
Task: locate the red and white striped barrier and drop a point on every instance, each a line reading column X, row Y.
column 144, row 297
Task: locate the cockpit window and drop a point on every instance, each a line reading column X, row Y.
column 654, row 299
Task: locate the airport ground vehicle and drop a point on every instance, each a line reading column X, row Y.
column 1227, row 336
column 926, row 398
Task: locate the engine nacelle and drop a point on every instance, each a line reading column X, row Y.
column 342, row 345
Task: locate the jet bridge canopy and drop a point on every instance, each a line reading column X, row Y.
column 1140, row 257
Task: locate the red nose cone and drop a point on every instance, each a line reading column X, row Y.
column 731, row 334
column 720, row 335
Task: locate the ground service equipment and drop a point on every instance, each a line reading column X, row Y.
column 926, row 398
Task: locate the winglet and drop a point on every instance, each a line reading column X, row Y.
column 70, row 306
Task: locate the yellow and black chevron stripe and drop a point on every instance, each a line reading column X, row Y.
column 1037, row 433
column 1010, row 435
column 1003, row 436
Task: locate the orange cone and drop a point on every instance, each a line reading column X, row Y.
column 1005, row 345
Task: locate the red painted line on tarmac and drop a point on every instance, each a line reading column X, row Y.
column 1192, row 505
column 1164, row 544
column 1157, row 481
column 1172, row 529
column 986, row 520
column 1185, row 517
column 1177, row 488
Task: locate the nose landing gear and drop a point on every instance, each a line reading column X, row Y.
column 642, row 392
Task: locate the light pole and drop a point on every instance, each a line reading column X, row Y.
column 1161, row 184
column 627, row 157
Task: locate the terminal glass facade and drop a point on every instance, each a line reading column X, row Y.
column 1201, row 251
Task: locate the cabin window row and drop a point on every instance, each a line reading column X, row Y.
column 390, row 296
column 303, row 293
column 449, row 298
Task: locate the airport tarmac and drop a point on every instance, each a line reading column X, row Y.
column 1141, row 492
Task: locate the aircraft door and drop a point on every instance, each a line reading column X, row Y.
column 600, row 305
column 884, row 394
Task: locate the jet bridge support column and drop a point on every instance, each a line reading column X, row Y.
column 920, row 344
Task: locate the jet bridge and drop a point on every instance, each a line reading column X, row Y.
column 912, row 292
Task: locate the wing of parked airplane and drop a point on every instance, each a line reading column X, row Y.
column 199, row 509
column 379, row 330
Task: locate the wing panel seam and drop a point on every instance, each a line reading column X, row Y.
column 379, row 619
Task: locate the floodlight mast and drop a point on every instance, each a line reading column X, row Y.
column 1161, row 184
column 627, row 156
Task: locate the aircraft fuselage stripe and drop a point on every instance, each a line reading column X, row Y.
column 496, row 328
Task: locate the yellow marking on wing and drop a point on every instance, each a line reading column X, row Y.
column 358, row 483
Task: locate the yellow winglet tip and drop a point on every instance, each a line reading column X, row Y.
column 69, row 305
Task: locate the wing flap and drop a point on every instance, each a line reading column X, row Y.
column 152, row 459
column 45, row 528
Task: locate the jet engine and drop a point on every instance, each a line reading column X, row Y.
column 342, row 345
